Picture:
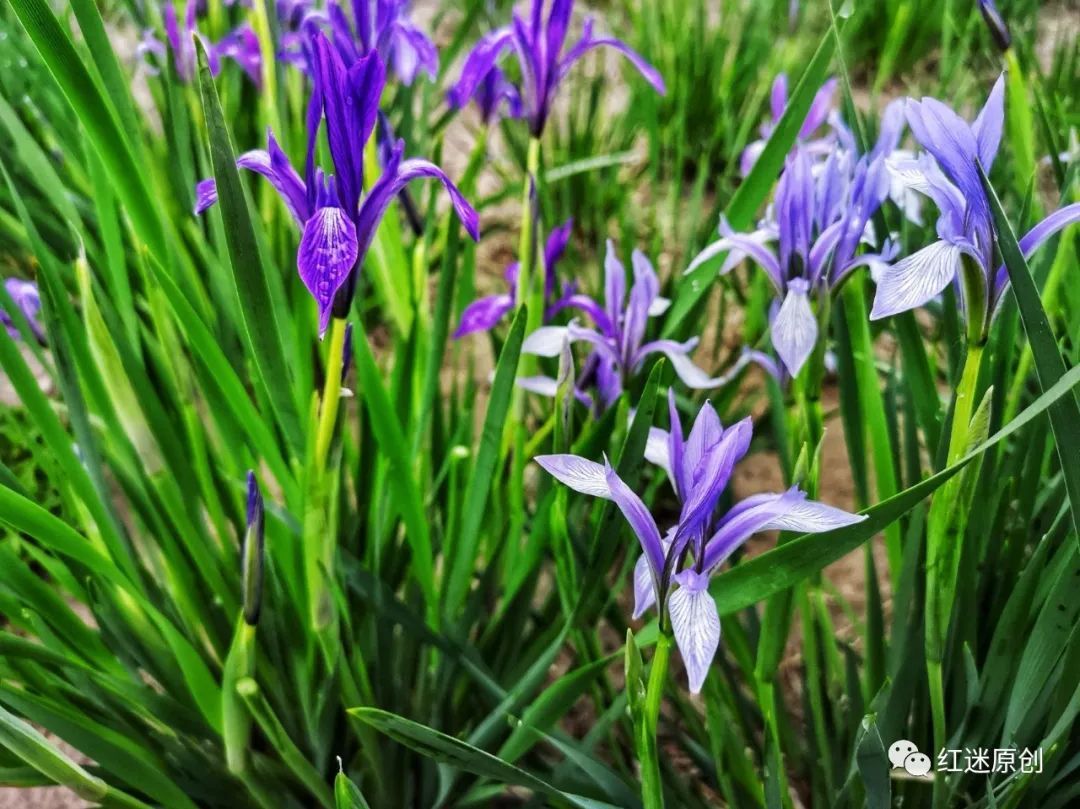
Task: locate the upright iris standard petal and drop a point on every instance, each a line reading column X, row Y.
column 696, row 625
column 327, row 254
column 989, row 124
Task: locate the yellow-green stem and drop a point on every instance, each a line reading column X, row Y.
column 331, row 392
column 940, row 567
column 652, row 789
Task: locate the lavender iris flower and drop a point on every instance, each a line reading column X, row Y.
column 484, row 313
column 821, row 215
column 241, row 44
column 965, row 227
column 383, row 26
column 821, row 109
column 618, row 339
column 674, row 569
column 28, row 301
column 337, row 218
column 538, row 44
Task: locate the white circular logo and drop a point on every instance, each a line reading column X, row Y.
column 899, row 751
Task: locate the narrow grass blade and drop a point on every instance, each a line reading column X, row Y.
column 263, row 337
column 448, row 750
column 97, row 116
column 1049, row 364
column 463, row 559
column 387, row 432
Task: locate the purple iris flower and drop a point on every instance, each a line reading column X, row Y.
column 28, row 301
column 538, row 44
column 492, row 94
column 821, row 110
column 383, row 26
column 821, row 216
column 484, row 313
column 337, row 218
column 241, row 44
column 618, row 339
column 965, row 227
column 674, row 569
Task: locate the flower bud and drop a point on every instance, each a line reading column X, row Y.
column 252, row 553
column 998, row 30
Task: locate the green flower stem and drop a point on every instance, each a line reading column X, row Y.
column 942, row 553
column 514, row 439
column 652, row 789
column 526, row 285
column 331, row 396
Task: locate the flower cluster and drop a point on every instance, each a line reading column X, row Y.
column 674, row 569
column 821, row 215
column 539, row 45
column 617, row 339
column 241, row 45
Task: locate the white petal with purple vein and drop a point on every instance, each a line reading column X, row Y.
column 912, row 282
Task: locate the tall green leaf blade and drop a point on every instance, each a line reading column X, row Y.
column 263, row 337
column 387, row 432
column 1049, row 364
column 97, row 117
column 478, row 489
column 446, row 749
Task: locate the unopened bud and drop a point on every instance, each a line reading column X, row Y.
column 994, row 21
column 252, row 553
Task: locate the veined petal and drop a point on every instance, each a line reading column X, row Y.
column 205, row 195
column 540, row 385
column 478, row 64
column 546, row 341
column 644, row 587
column 326, row 256
column 588, row 41
column 811, row 517
column 795, row 329
column 1035, row 238
column 579, row 474
column 912, row 282
column 641, row 521
column 614, row 286
column 656, row 451
column 678, row 355
column 642, row 294
column 397, row 175
column 696, row 624
column 483, row 314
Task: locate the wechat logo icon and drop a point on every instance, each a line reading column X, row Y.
column 906, row 756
